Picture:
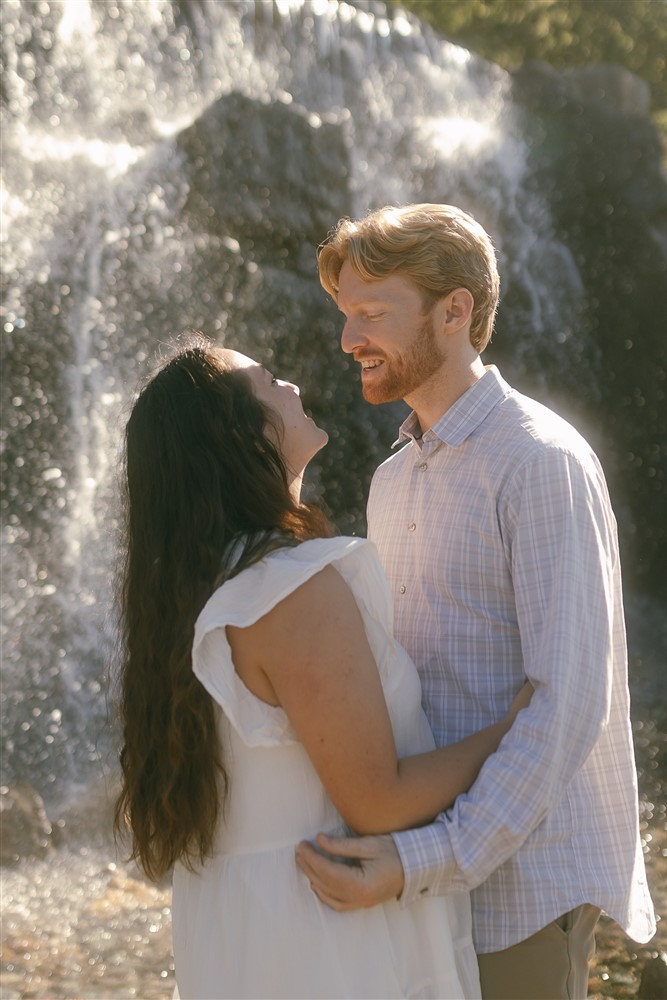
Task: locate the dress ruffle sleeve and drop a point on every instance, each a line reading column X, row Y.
column 247, row 597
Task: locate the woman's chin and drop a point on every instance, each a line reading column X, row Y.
column 320, row 440
column 324, row 440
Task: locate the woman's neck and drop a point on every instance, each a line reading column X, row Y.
column 295, row 487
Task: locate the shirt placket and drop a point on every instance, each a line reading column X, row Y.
column 424, row 450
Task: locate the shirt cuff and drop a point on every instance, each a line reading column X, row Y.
column 429, row 865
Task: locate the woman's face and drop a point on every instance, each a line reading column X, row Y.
column 299, row 436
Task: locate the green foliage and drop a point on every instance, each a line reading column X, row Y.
column 564, row 33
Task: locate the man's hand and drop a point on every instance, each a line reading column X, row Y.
column 376, row 875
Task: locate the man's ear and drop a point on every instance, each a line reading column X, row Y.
column 456, row 310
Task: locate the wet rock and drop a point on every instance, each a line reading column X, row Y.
column 597, row 163
column 25, row 830
column 653, row 985
column 247, row 182
column 87, row 818
column 615, row 85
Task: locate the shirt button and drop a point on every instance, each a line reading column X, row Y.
column 422, row 892
column 411, row 527
column 401, row 589
column 423, row 467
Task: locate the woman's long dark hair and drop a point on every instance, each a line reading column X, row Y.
column 201, row 473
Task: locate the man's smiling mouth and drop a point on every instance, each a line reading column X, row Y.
column 370, row 364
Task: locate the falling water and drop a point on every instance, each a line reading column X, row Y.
column 94, row 202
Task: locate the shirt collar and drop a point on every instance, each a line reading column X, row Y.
column 466, row 414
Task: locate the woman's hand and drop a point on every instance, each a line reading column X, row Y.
column 521, row 700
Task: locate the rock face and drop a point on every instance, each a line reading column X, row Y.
column 191, row 186
column 613, row 85
column 266, row 181
column 25, row 831
column 598, row 166
column 269, row 175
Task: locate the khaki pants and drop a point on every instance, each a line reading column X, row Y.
column 550, row 965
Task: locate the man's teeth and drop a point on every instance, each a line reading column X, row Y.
column 366, row 365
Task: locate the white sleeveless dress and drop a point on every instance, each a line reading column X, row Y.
column 247, row 924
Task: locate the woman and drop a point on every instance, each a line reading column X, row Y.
column 264, row 699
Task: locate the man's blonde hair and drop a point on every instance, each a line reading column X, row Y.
column 438, row 247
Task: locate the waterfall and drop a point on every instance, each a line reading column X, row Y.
column 173, row 165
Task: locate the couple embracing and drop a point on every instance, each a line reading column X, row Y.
column 460, row 823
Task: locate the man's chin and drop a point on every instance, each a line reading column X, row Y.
column 377, row 394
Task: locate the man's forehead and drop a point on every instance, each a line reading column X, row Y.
column 355, row 290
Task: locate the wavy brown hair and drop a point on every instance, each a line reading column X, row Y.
column 201, row 478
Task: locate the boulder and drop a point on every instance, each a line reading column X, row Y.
column 25, row 830
column 612, row 84
column 653, row 985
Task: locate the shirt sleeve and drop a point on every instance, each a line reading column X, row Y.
column 559, row 535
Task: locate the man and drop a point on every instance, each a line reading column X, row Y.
column 495, row 529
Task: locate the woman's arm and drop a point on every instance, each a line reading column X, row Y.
column 310, row 654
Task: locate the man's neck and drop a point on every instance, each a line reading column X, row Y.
column 431, row 401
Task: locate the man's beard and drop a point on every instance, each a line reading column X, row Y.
column 402, row 376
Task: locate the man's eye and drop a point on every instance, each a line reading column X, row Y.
column 274, row 380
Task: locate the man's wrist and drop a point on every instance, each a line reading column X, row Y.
column 398, row 884
column 426, row 859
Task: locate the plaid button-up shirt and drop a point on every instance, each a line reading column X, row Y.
column 499, row 541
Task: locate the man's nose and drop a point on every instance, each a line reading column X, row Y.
column 351, row 337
